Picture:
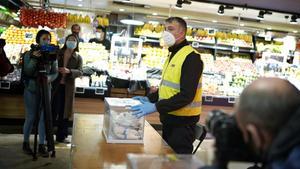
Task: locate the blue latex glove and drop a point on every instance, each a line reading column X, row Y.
column 141, row 98
column 143, row 109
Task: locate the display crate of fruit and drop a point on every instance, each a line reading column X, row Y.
column 120, row 125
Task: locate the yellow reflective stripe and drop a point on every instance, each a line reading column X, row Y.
column 175, row 85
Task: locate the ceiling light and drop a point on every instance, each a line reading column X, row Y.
column 132, row 22
column 153, row 22
column 185, row 17
column 80, row 0
column 179, row 4
column 269, row 28
column 242, row 24
column 293, row 19
column 80, row 5
column 122, row 10
column 295, row 31
column 214, row 21
column 221, row 10
column 126, row 1
column 154, row 13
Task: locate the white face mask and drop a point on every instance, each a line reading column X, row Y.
column 71, row 44
column 168, row 38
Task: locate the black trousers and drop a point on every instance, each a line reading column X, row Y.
column 179, row 138
column 58, row 106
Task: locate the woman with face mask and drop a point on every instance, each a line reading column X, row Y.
column 32, row 93
column 70, row 67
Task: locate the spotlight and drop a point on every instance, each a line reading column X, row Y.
column 179, row 4
column 221, row 10
column 294, row 19
column 261, row 15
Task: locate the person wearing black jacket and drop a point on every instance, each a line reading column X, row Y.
column 178, row 99
column 5, row 65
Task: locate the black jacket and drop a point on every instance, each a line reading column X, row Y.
column 191, row 72
column 284, row 152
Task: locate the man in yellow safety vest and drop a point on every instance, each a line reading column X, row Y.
column 179, row 97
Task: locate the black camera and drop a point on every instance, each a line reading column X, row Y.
column 230, row 145
column 48, row 52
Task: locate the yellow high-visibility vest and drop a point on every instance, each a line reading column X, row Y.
column 170, row 84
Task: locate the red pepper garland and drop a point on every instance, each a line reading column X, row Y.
column 41, row 17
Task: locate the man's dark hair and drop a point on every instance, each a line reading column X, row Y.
column 74, row 25
column 103, row 29
column 269, row 109
column 77, row 40
column 40, row 34
column 179, row 20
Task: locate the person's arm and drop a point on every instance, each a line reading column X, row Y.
column 190, row 74
column 53, row 71
column 78, row 71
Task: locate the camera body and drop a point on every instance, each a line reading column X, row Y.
column 48, row 52
column 230, row 145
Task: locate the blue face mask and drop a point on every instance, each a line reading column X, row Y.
column 71, row 44
column 44, row 42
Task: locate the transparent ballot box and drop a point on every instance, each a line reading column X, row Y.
column 169, row 161
column 119, row 125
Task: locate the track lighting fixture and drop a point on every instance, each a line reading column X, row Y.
column 180, row 2
column 222, row 8
column 294, row 19
column 261, row 14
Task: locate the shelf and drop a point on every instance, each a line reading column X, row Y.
column 197, row 44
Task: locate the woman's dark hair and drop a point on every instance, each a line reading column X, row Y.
column 77, row 40
column 40, row 34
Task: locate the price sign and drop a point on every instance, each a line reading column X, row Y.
column 268, row 37
column 28, row 35
column 235, row 49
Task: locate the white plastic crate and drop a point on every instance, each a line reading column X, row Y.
column 119, row 125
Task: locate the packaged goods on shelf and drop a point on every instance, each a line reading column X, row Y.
column 120, row 125
column 92, row 52
column 154, row 57
column 233, row 39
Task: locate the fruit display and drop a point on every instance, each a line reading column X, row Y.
column 78, row 18
column 154, row 57
column 102, row 21
column 92, row 52
column 41, row 17
column 14, row 51
column 233, row 39
column 274, row 47
column 15, row 35
column 149, row 30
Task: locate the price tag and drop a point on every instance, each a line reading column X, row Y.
column 99, row 91
column 208, row 99
column 28, row 35
column 79, row 90
column 235, row 49
column 268, row 37
column 195, row 44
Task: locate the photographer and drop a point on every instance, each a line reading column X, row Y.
column 268, row 114
column 70, row 67
column 265, row 128
column 32, row 93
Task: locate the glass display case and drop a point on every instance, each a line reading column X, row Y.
column 120, row 125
